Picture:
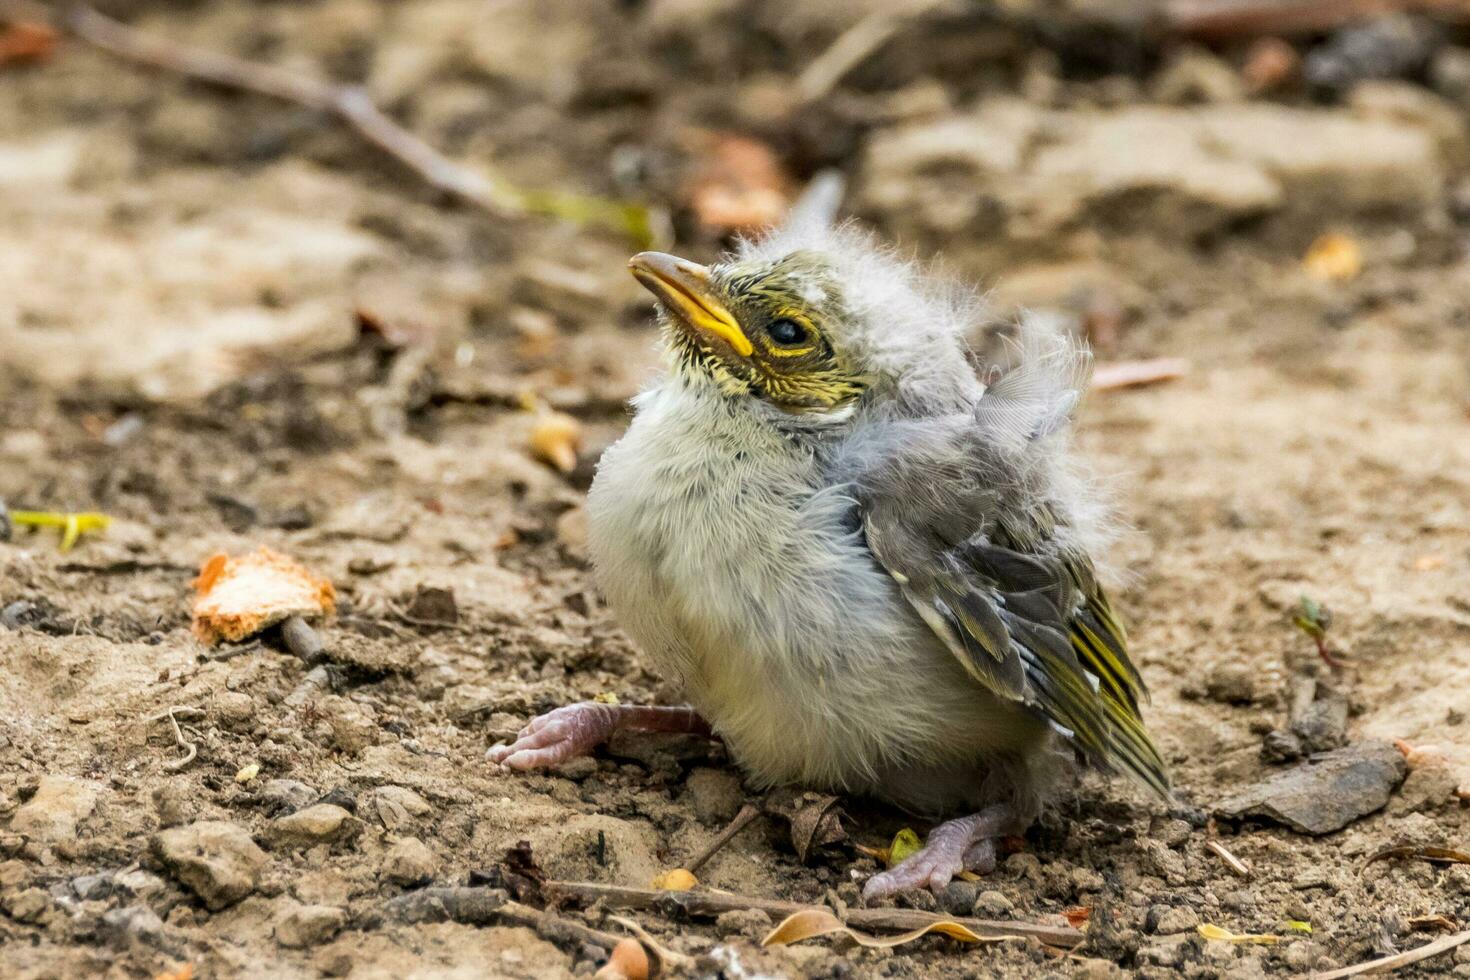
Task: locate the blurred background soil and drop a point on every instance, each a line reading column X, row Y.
column 227, row 321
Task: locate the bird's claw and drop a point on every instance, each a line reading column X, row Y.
column 557, row 736
column 933, row 867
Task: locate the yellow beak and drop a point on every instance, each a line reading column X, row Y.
column 684, row 288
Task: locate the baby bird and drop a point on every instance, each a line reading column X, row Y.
column 867, row 566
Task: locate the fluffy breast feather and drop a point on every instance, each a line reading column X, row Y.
column 741, row 575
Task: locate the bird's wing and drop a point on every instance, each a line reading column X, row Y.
column 1031, row 623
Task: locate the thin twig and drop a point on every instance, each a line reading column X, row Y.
column 1231, row 861
column 713, row 903
column 190, row 749
column 1391, row 963
column 352, row 105
column 747, row 813
column 852, row 47
column 1135, row 374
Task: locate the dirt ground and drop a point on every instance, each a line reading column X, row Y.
column 181, row 270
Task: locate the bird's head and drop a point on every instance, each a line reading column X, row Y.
column 772, row 330
column 808, row 326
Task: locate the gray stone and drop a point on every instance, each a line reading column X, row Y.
column 133, row 923
column 716, row 795
column 1169, row 921
column 1027, row 172
column 410, row 862
column 216, row 860
column 138, row 883
column 1327, row 792
column 753, row 924
column 993, row 904
column 958, row 897
column 92, row 888
column 309, row 925
column 60, row 804
column 27, row 905
column 324, row 823
column 288, row 794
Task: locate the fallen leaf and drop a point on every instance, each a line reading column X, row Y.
column 738, row 185
column 1136, row 374
column 1433, row 923
column 675, row 880
column 606, row 697
column 816, row 824
column 520, row 874
column 72, row 526
column 1333, row 257
column 1217, row 934
column 905, row 843
column 247, row 773
column 1297, row 925
column 555, row 438
column 27, row 42
column 811, row 923
column 1435, row 855
column 1077, row 916
column 238, row 597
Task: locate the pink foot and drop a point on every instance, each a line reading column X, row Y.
column 577, row 729
column 953, row 846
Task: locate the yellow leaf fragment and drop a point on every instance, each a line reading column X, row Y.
column 1333, row 257
column 606, row 697
column 677, row 880
column 811, row 923
column 247, row 773
column 1297, row 925
column 72, row 526
column 236, row 598
column 555, row 439
column 1217, row 934
column 905, row 843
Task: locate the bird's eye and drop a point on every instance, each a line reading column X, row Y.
column 786, row 332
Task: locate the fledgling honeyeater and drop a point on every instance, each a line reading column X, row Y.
column 868, row 568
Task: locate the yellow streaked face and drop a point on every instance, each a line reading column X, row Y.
column 758, row 329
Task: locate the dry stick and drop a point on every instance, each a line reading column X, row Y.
column 713, row 903
column 852, row 47
column 1134, row 374
column 1223, row 20
column 747, row 813
column 349, row 103
column 1391, row 963
column 1231, row 861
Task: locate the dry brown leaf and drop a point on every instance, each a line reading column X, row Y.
column 1333, row 257
column 815, row 824
column 555, row 439
column 1136, row 374
column 236, row 598
column 1077, row 916
column 1217, row 934
column 27, row 42
column 1435, row 855
column 811, row 923
column 739, row 184
column 1433, row 923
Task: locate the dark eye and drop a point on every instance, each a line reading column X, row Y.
column 786, row 332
